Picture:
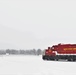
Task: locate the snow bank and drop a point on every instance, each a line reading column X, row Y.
column 34, row 65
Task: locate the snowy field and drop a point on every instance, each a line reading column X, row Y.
column 34, row 65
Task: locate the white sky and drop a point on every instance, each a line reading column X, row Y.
column 27, row 24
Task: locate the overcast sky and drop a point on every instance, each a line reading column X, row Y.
column 27, row 24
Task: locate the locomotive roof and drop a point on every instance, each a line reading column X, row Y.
column 65, row 45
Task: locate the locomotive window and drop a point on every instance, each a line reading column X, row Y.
column 52, row 47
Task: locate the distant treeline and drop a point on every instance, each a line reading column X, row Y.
column 21, row 52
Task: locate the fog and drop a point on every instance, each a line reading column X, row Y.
column 36, row 23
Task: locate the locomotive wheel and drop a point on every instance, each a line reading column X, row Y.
column 69, row 60
column 73, row 59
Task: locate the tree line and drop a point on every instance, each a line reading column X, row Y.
column 21, row 52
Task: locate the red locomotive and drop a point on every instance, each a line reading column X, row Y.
column 60, row 51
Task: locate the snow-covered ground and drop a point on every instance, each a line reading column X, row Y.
column 34, row 65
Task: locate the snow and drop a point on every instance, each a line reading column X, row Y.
column 34, row 65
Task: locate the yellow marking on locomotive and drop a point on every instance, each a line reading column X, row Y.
column 69, row 48
column 74, row 48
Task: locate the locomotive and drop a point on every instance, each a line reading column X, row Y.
column 60, row 51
